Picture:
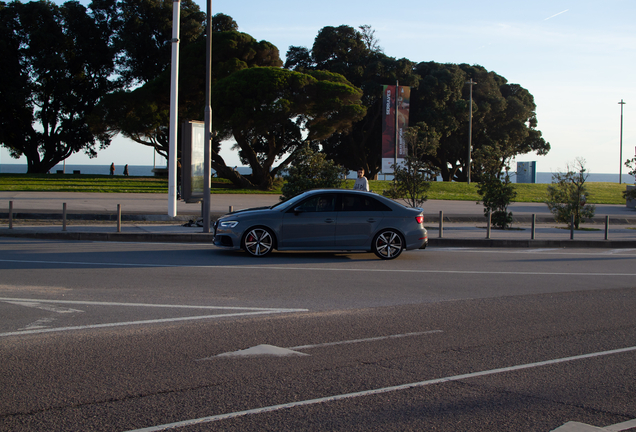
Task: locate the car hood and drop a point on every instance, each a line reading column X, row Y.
column 245, row 211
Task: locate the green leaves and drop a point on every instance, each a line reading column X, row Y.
column 311, row 170
column 269, row 111
column 568, row 195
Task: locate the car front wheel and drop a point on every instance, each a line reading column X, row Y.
column 258, row 242
column 388, row 244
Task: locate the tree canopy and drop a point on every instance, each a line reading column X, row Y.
column 270, row 111
column 504, row 118
column 57, row 64
column 356, row 55
column 143, row 114
column 73, row 77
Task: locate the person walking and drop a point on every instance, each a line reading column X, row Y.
column 361, row 182
column 126, row 170
column 112, row 168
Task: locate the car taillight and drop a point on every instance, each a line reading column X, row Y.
column 419, row 219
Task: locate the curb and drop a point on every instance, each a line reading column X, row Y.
column 520, row 243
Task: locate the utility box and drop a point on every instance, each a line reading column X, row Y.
column 192, row 158
column 526, row 172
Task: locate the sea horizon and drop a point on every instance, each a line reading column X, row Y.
column 147, row 171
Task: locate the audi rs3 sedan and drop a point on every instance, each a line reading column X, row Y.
column 325, row 220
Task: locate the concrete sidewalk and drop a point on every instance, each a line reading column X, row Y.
column 93, row 216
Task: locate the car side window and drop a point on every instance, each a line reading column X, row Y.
column 318, row 203
column 351, row 202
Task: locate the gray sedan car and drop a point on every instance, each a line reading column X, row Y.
column 325, row 219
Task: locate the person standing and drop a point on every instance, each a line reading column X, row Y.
column 126, row 170
column 112, row 168
column 361, row 182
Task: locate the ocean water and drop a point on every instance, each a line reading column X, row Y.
column 146, row 170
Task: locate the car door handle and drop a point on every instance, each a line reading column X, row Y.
column 371, row 220
column 329, row 220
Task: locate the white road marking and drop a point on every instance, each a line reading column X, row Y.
column 332, row 269
column 87, row 263
column 373, row 339
column 274, row 350
column 621, row 426
column 582, row 427
column 155, row 321
column 249, row 312
column 316, row 401
column 39, row 324
column 49, row 308
column 148, row 305
column 260, row 350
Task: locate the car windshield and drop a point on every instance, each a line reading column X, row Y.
column 290, row 201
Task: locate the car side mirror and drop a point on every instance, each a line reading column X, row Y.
column 298, row 209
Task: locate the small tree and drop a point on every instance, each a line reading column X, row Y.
column 496, row 194
column 410, row 178
column 495, row 188
column 310, row 170
column 568, row 195
column 631, row 164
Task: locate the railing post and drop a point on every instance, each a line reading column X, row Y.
column 606, row 227
column 441, row 224
column 534, row 222
column 489, row 221
column 571, row 227
column 231, row 209
column 118, row 217
column 63, row 216
column 10, row 214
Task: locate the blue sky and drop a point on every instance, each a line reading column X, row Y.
column 576, row 57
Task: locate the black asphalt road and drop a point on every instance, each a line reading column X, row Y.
column 127, row 336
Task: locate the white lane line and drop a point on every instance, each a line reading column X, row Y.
column 148, row 305
column 155, row 321
column 272, row 408
column 373, row 339
column 87, row 263
column 323, row 269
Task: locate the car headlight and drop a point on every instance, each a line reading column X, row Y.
column 228, row 224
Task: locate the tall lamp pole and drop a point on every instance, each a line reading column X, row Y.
column 620, row 167
column 174, row 93
column 208, row 121
column 470, row 130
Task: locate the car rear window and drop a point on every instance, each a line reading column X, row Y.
column 352, row 202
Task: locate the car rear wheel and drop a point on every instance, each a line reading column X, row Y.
column 258, row 242
column 388, row 244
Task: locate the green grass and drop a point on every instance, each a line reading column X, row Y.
column 600, row 193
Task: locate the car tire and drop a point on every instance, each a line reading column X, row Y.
column 387, row 244
column 258, row 242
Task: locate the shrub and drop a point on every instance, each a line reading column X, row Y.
column 496, row 195
column 568, row 195
column 311, row 170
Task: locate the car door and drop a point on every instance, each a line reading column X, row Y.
column 358, row 220
column 311, row 224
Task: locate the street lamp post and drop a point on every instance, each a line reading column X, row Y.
column 620, row 166
column 174, row 93
column 205, row 213
column 470, row 130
